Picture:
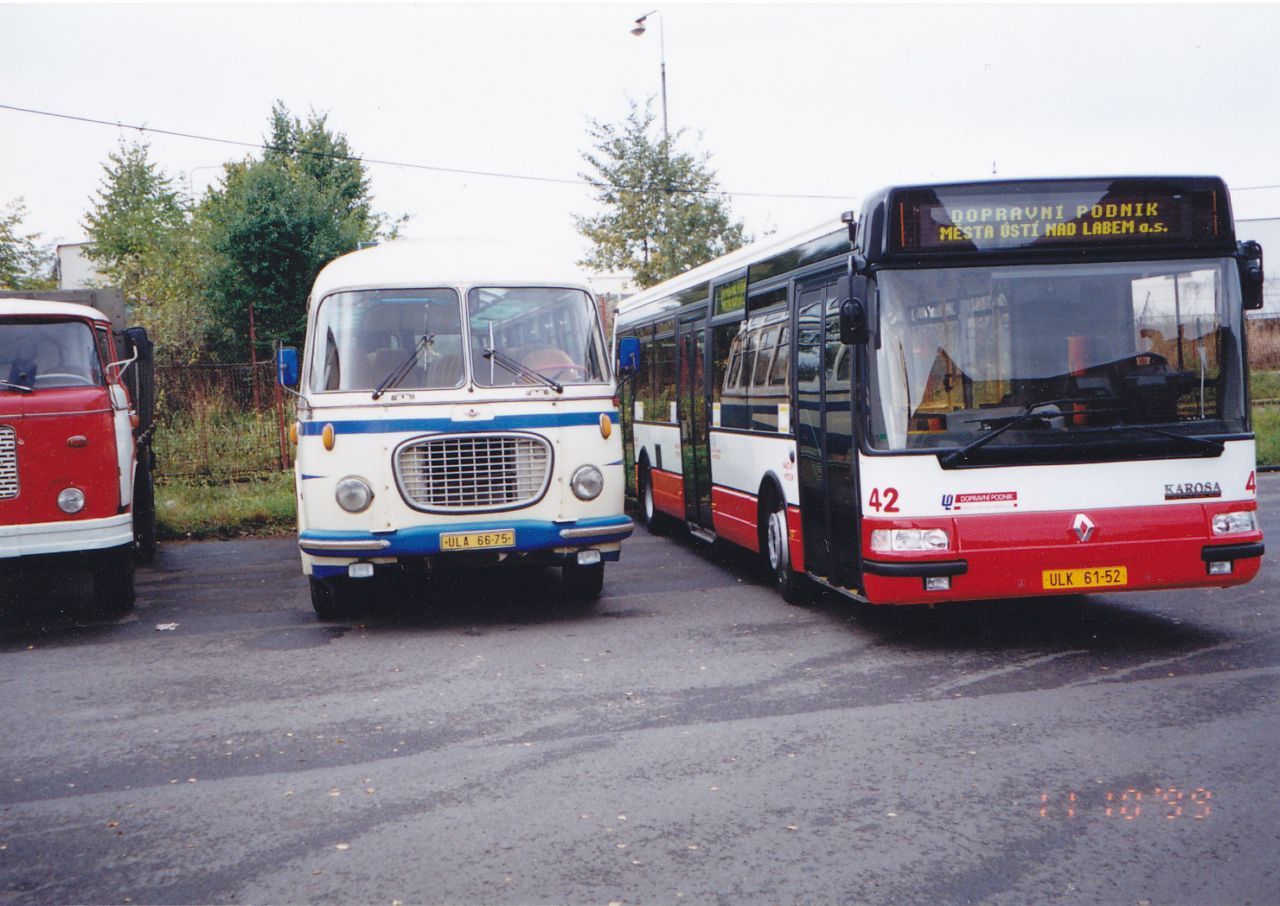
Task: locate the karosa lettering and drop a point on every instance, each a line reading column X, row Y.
column 1192, row 489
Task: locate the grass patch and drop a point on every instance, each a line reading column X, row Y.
column 1264, row 385
column 262, row 506
column 1266, row 428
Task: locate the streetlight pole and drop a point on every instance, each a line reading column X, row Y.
column 639, row 30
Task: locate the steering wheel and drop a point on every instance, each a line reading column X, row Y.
column 48, row 375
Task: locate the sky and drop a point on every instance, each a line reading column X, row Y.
column 832, row 100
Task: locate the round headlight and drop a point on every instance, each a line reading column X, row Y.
column 71, row 500
column 587, row 483
column 354, row 494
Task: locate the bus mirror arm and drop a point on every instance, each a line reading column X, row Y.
column 1249, row 255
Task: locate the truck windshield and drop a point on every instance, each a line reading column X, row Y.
column 363, row 339
column 44, row 354
column 537, row 332
column 1064, row 354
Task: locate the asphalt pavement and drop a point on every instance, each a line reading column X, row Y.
column 692, row 738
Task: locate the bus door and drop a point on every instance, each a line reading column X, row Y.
column 827, row 453
column 695, row 442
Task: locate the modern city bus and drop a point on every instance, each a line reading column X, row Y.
column 455, row 410
column 970, row 391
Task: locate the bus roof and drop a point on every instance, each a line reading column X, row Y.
column 636, row 306
column 416, row 263
column 46, row 308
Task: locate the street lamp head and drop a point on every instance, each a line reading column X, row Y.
column 639, row 29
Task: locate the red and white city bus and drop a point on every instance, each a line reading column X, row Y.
column 75, row 459
column 970, row 391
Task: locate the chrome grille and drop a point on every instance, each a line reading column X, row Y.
column 8, row 463
column 457, row 473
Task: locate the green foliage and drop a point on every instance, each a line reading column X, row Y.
column 264, row 506
column 143, row 241
column 24, row 262
column 1266, row 429
column 662, row 214
column 273, row 224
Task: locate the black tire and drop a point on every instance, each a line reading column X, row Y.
column 582, row 584
column 654, row 521
column 113, row 583
column 776, row 549
column 144, row 513
column 330, row 598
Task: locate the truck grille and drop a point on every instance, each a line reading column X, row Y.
column 458, row 473
column 8, row 463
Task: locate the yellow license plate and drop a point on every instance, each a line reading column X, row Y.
column 474, row 541
column 1085, row 579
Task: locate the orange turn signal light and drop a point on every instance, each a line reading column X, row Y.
column 327, row 437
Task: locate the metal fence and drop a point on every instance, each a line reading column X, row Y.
column 224, row 422
column 220, row 422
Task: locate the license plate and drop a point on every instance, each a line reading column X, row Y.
column 1084, row 579
column 474, row 541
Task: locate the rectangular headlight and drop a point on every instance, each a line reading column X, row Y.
column 886, row 540
column 1231, row 523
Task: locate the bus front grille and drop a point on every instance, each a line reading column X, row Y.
column 461, row 473
column 8, row 462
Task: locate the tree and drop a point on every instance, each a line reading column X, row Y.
column 24, row 262
column 143, row 240
column 662, row 212
column 274, row 223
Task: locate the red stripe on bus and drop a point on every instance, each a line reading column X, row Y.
column 795, row 538
column 668, row 492
column 733, row 515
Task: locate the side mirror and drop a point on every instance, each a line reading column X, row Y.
column 287, row 367
column 629, row 355
column 1251, row 275
column 854, row 316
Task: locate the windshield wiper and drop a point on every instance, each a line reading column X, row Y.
column 523, row 370
column 1027, row 412
column 397, row 375
column 1200, row 443
column 12, row 386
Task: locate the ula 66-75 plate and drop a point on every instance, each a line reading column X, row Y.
column 474, row 541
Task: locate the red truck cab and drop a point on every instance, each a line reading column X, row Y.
column 75, row 477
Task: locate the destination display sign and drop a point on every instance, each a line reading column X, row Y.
column 1074, row 214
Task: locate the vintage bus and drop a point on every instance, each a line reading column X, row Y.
column 970, row 391
column 456, row 409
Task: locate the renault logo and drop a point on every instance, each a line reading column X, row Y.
column 1083, row 527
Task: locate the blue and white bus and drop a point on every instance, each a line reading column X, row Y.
column 456, row 409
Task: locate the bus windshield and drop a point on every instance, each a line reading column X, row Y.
column 1060, row 354
column 40, row 355
column 365, row 338
column 545, row 332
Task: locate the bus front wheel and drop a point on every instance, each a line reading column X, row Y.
column 330, row 599
column 582, row 583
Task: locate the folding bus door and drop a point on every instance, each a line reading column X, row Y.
column 695, row 441
column 826, row 451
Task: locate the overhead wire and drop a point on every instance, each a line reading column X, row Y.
column 496, row 174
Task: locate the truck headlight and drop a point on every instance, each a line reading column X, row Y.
column 353, row 494
column 885, row 540
column 1230, row 523
column 71, row 500
column 587, row 483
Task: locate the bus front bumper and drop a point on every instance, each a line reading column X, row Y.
column 72, row 536
column 531, row 541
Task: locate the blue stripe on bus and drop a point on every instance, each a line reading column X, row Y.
column 497, row 423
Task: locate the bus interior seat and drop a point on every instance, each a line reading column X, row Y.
column 445, row 371
column 546, row 357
